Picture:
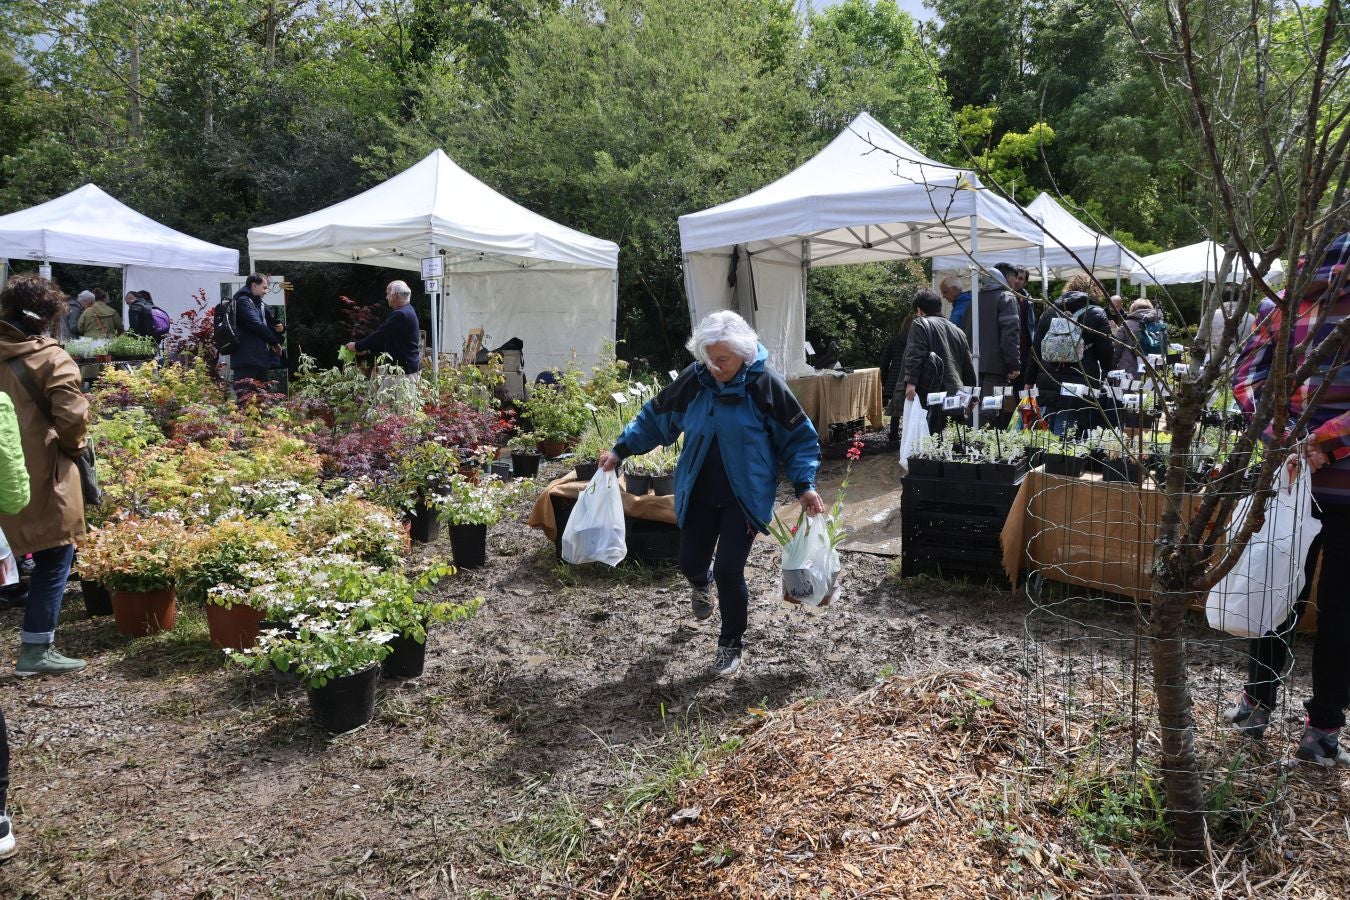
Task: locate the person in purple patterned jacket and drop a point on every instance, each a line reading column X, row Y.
column 1326, row 450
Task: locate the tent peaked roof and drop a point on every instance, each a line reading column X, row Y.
column 1100, row 254
column 89, row 227
column 1193, row 263
column 868, row 195
column 395, row 224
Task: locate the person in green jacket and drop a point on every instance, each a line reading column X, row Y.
column 99, row 320
column 13, row 498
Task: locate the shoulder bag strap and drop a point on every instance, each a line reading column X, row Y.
column 26, row 379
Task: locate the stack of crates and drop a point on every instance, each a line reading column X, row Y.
column 951, row 528
column 515, row 376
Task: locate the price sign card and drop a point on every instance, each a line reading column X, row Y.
column 937, row 398
column 620, row 397
column 953, row 402
column 993, row 404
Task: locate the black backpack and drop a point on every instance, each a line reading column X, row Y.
column 225, row 331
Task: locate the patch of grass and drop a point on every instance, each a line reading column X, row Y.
column 630, row 573
column 184, row 649
column 1114, row 806
column 547, row 832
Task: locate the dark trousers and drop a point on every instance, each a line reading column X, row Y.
column 4, row 764
column 724, row 528
column 248, row 381
column 1331, row 648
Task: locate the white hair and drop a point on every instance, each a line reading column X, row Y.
column 401, row 289
column 85, row 295
column 724, row 327
column 949, row 281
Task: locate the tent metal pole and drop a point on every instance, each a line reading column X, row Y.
column 126, row 313
column 974, row 310
column 1045, row 277
column 436, row 323
column 1118, row 294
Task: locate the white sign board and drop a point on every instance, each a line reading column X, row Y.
column 433, row 267
column 432, row 286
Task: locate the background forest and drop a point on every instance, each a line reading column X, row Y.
column 612, row 116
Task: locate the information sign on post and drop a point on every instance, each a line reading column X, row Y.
column 433, row 267
column 432, row 286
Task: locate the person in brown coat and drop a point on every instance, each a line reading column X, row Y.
column 44, row 383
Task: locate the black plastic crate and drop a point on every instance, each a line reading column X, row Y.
column 953, row 562
column 970, row 493
column 844, row 431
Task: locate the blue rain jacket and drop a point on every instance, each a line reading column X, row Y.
column 760, row 429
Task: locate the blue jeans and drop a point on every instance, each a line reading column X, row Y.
column 45, row 591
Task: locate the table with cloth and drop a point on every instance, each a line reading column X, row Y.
column 830, row 397
column 1093, row 534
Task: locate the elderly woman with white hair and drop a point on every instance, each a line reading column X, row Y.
column 741, row 424
column 400, row 334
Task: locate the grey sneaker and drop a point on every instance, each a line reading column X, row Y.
column 6, row 837
column 1250, row 718
column 700, row 602
column 1322, row 746
column 42, row 659
column 726, row 662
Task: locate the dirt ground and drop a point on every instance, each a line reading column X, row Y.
column 570, row 710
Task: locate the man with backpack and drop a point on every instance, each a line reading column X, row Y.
column 999, row 348
column 937, row 359
column 258, row 347
column 99, row 320
column 1145, row 336
column 1074, row 348
column 145, row 318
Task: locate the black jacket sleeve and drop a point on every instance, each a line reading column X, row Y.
column 916, row 351
column 1009, row 332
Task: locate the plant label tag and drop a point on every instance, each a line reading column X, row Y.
column 1131, row 401
column 1034, row 391
column 619, row 397
column 1116, row 376
column 1136, row 385
column 1181, row 369
column 970, row 391
column 592, row 407
column 937, row 398
column 810, row 351
column 952, row 402
column 635, row 390
column 673, row 374
column 993, row 404
column 962, row 399
column 1156, row 359
column 1073, row 390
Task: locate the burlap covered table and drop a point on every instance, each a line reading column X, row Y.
column 651, row 507
column 832, row 397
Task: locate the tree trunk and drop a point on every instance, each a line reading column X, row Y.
column 1181, row 779
column 135, row 80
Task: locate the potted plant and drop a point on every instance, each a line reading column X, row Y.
column 525, row 455
column 470, row 509
column 222, row 563
column 338, row 662
column 352, row 526
column 1065, row 458
column 661, row 464
column 419, row 475
column 132, row 346
column 1005, row 457
column 399, row 610
column 138, row 560
column 926, row 459
column 557, row 412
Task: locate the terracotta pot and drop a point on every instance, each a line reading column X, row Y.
column 552, row 449
column 235, row 628
column 141, row 613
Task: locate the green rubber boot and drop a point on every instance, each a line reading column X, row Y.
column 42, row 659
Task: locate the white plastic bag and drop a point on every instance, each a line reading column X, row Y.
column 595, row 530
column 1257, row 594
column 916, row 430
column 9, row 566
column 810, row 563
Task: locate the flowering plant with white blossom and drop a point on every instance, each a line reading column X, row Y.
column 484, row 502
column 319, row 651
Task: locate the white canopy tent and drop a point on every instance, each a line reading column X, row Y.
column 867, row 197
column 1191, row 264
column 508, row 270
column 1066, row 246
column 88, row 227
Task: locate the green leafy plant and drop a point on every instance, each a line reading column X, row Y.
column 557, row 412
column 237, row 553
column 86, row 348
column 318, row 652
column 352, row 526
column 134, row 554
column 398, row 609
column 480, row 503
column 129, row 345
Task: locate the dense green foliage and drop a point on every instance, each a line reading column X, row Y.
column 612, row 116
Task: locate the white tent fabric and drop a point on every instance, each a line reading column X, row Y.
column 435, row 207
column 1104, row 257
column 174, row 290
column 867, row 197
column 88, row 227
column 1194, row 263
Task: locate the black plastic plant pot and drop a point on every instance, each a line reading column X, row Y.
column 1002, row 473
column 1121, row 471
column 425, row 526
column 503, row 470
column 663, row 485
column 1094, row 460
column 345, row 703
column 408, row 658
column 468, row 545
column 961, row 471
column 586, row 471
column 97, row 600
column 525, row 465
column 1064, row 464
column 925, row 468
column 637, row 484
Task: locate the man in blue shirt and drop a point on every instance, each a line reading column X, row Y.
column 399, row 335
